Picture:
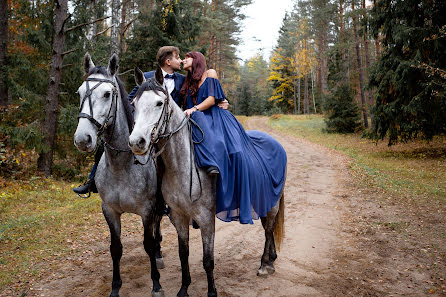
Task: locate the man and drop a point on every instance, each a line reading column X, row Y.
column 168, row 58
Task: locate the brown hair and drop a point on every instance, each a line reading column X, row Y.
column 193, row 76
column 164, row 53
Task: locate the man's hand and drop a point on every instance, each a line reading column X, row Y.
column 224, row 104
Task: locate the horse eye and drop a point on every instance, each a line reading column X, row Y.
column 107, row 94
column 159, row 103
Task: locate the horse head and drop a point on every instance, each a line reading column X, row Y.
column 151, row 113
column 98, row 102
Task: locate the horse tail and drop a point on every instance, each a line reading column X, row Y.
column 279, row 226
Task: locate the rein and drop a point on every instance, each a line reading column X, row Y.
column 90, row 117
column 161, row 125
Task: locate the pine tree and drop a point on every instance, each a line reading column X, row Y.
column 342, row 113
column 410, row 75
column 172, row 23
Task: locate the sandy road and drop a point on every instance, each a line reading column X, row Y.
column 312, row 222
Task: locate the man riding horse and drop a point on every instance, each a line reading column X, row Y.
column 168, row 57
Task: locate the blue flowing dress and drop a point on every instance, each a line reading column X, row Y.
column 252, row 164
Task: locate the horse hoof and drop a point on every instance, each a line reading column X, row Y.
column 262, row 272
column 160, row 293
column 270, row 269
column 160, row 263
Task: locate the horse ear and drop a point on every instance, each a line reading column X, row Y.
column 159, row 76
column 139, row 76
column 113, row 64
column 88, row 63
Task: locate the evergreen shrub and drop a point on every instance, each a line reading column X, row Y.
column 342, row 112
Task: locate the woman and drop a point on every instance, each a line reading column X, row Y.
column 250, row 165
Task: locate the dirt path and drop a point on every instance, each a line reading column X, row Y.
column 315, row 259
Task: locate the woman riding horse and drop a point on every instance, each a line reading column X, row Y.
column 251, row 165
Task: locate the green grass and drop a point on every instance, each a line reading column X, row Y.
column 415, row 170
column 41, row 220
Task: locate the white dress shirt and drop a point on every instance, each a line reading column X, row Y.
column 168, row 82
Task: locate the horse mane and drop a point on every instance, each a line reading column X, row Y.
column 127, row 108
column 149, row 85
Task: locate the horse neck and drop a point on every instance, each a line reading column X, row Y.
column 117, row 134
column 177, row 150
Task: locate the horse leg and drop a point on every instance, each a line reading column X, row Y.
column 266, row 264
column 272, row 253
column 158, row 239
column 150, row 248
column 265, row 257
column 160, row 206
column 207, row 227
column 114, row 223
column 181, row 224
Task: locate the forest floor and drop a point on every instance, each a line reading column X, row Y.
column 341, row 239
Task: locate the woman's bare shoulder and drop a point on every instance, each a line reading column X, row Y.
column 212, row 73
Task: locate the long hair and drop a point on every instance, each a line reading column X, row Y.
column 193, row 76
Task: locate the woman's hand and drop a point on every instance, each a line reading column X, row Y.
column 224, row 104
column 190, row 111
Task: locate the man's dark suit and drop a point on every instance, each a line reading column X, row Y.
column 178, row 79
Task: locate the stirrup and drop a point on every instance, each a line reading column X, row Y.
column 84, row 196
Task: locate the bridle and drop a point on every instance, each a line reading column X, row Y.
column 113, row 106
column 161, row 126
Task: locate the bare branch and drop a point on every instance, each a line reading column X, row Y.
column 89, row 23
column 103, row 31
column 70, row 51
column 126, row 27
column 67, row 65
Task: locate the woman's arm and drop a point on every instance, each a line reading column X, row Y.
column 224, row 103
column 208, row 102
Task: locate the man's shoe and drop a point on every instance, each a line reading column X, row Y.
column 212, row 171
column 86, row 188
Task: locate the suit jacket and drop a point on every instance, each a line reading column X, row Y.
column 178, row 79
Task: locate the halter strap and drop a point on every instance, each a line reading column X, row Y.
column 90, row 117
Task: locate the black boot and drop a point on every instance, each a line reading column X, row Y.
column 86, row 188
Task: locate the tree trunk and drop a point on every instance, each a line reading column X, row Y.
column 122, row 27
column 92, row 28
column 212, row 39
column 298, row 95
column 4, row 98
column 312, row 90
column 361, row 74
column 319, row 72
column 49, row 125
column 306, row 99
column 342, row 34
column 324, row 66
column 114, row 43
column 367, row 56
column 377, row 51
column 294, row 97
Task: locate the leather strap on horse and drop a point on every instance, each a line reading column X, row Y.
column 90, row 117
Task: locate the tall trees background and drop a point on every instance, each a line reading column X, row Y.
column 378, row 63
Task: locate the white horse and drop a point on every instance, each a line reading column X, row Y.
column 122, row 185
column 188, row 190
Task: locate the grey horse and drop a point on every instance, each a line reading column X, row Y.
column 123, row 185
column 188, row 190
